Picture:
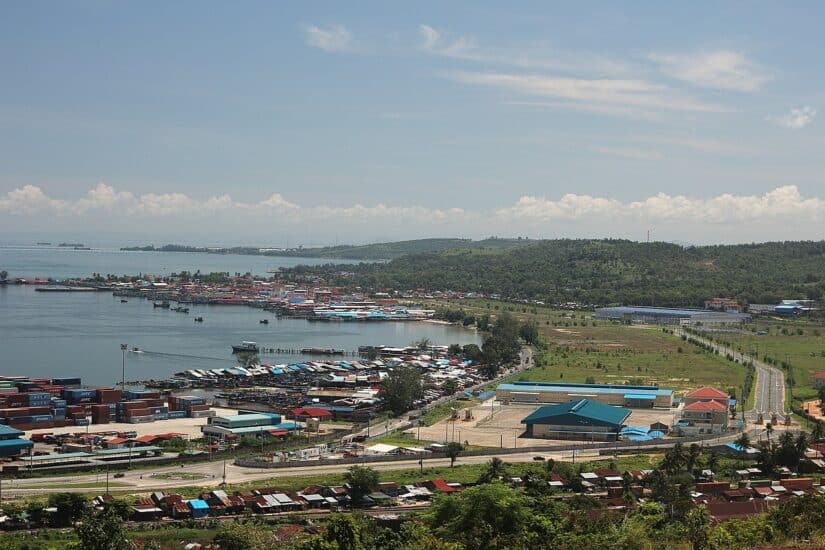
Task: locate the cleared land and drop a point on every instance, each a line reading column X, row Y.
column 611, row 353
column 496, row 425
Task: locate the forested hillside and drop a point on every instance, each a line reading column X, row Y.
column 612, row 271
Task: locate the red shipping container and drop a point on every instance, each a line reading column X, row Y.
column 13, row 413
column 199, row 408
column 40, row 410
column 137, row 412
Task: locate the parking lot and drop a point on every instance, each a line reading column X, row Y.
column 496, row 425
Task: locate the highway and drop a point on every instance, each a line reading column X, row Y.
column 769, row 397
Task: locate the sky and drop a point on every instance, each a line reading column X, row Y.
column 287, row 123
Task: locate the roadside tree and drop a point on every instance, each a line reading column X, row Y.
column 400, row 389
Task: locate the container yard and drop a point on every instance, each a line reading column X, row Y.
column 28, row 404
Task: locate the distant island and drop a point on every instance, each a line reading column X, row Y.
column 70, row 245
column 367, row 252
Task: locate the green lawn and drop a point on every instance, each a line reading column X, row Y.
column 622, row 354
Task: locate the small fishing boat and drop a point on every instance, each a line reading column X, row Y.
column 264, row 321
column 199, row 319
column 164, row 304
column 124, row 301
column 136, row 350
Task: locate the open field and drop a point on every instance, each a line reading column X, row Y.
column 637, row 355
column 798, row 342
column 580, row 348
column 497, row 425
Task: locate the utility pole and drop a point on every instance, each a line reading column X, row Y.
column 123, row 366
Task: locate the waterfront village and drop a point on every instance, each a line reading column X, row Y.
column 263, row 416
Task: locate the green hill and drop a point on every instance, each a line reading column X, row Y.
column 610, row 271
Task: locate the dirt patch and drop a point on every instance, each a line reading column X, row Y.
column 812, row 408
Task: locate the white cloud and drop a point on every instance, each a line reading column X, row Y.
column 335, row 38
column 532, row 56
column 607, row 93
column 105, row 200
column 783, row 213
column 796, row 119
column 721, row 70
column 781, row 203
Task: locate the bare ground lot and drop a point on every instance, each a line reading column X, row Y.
column 504, row 427
column 189, row 427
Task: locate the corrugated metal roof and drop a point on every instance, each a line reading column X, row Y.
column 582, row 411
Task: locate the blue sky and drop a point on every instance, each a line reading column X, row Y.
column 283, row 123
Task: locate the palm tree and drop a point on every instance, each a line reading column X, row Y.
column 742, row 442
column 769, row 430
column 495, row 469
column 818, row 433
column 694, row 451
column 713, row 461
column 454, row 448
column 800, row 445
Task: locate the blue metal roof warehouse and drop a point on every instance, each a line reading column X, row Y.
column 611, row 394
column 581, row 419
column 666, row 316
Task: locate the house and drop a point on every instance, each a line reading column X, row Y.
column 659, row 427
column 303, row 413
column 440, row 485
column 583, row 420
column 818, row 379
column 707, row 393
column 704, row 417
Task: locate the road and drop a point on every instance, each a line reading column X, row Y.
column 403, row 422
column 210, row 474
column 769, row 397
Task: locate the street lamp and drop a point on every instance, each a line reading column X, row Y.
column 123, row 366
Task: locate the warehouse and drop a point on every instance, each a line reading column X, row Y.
column 669, row 316
column 637, row 397
column 248, row 424
column 582, row 420
column 11, row 442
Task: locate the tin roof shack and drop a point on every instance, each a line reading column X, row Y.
column 12, row 442
column 198, row 508
column 582, row 420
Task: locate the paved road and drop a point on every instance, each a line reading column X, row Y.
column 770, row 381
column 382, row 428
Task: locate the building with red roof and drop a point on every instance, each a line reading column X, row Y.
column 707, row 394
column 302, row 413
column 704, row 417
column 818, row 379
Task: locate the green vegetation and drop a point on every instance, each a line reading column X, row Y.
column 401, row 388
column 607, row 272
column 179, row 475
column 795, row 345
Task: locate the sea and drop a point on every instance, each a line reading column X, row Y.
column 80, row 334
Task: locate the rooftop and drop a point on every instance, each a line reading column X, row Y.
column 582, row 411
column 584, row 388
column 707, row 393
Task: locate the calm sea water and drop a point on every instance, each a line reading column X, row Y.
column 79, row 334
column 61, row 263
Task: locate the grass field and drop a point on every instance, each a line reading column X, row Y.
column 581, row 348
column 798, row 342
